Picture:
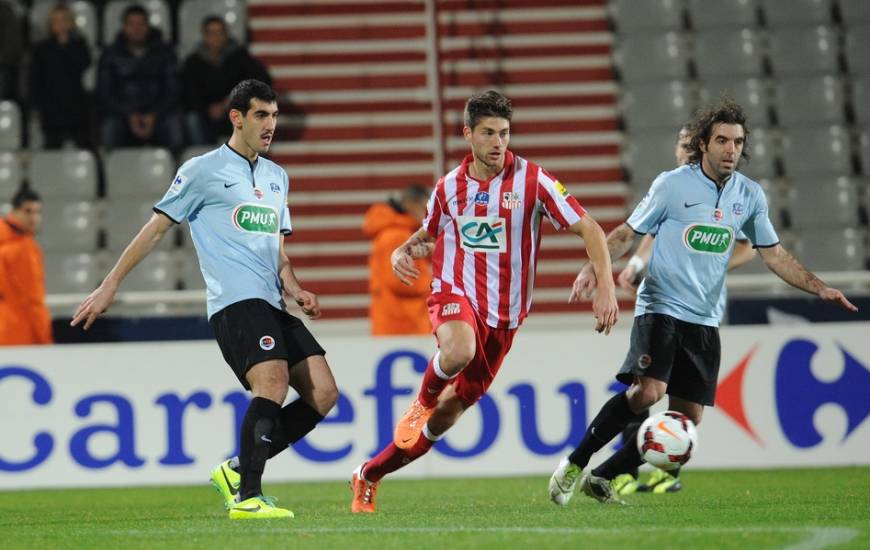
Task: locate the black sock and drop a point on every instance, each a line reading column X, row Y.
column 675, row 473
column 625, row 459
column 294, row 422
column 256, row 438
column 629, row 436
column 611, row 419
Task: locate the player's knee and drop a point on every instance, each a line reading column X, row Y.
column 455, row 357
column 643, row 396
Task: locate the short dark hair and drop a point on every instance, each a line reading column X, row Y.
column 487, row 104
column 209, row 19
column 25, row 194
column 134, row 9
column 724, row 111
column 246, row 90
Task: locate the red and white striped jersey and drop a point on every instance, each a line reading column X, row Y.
column 488, row 234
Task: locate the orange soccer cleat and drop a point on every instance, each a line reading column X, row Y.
column 363, row 493
column 410, row 426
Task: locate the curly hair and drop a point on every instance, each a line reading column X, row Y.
column 487, row 104
column 724, row 111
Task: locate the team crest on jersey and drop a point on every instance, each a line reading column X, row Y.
column 274, row 187
column 267, row 343
column 737, row 209
column 510, row 200
column 718, row 215
column 482, row 197
column 177, row 184
column 482, row 233
column 258, row 194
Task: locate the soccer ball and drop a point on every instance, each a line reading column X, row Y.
column 667, row 440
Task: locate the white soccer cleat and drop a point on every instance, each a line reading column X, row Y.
column 564, row 481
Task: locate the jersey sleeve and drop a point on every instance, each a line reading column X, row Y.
column 286, row 226
column 758, row 228
column 652, row 210
column 184, row 196
column 436, row 214
column 558, row 205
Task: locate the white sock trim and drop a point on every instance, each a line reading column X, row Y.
column 436, row 366
column 429, row 435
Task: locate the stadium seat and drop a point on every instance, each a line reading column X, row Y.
column 804, row 51
column 816, row 202
column 70, row 225
column 761, row 148
column 750, row 93
column 84, row 12
column 145, row 172
column 159, row 16
column 816, row 150
column 630, row 15
column 864, row 150
column 737, row 52
column 831, row 249
column 861, row 99
column 10, row 126
column 796, row 12
column 10, row 175
column 723, row 13
column 857, row 44
column 809, row 100
column 774, row 193
column 72, row 272
column 64, row 174
column 194, row 151
column 192, row 12
column 652, row 56
column 191, row 275
column 648, row 154
column 657, row 104
column 125, row 216
column 158, row 271
column 854, row 11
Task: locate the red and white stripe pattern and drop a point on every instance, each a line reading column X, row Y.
column 497, row 281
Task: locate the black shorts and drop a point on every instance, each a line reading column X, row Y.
column 683, row 355
column 252, row 331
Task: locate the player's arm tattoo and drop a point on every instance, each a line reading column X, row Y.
column 419, row 245
column 790, row 270
column 620, row 240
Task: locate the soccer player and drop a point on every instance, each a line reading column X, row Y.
column 484, row 217
column 660, row 481
column 236, row 204
column 695, row 211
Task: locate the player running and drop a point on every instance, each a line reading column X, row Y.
column 695, row 212
column 236, row 205
column 484, row 217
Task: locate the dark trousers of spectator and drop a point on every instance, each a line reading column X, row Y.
column 115, row 132
column 54, row 137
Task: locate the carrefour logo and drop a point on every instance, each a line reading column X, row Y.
column 482, row 233
column 710, row 239
column 256, row 218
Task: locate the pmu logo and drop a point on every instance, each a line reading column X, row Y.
column 482, row 233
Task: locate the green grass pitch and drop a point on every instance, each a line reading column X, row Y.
column 795, row 509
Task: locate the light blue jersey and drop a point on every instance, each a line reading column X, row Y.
column 695, row 225
column 237, row 213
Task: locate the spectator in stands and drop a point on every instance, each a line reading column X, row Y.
column 56, row 89
column 24, row 319
column 397, row 308
column 209, row 74
column 138, row 86
column 10, row 50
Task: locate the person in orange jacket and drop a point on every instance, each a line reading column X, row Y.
column 397, row 308
column 24, row 318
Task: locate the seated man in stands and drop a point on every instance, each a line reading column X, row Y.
column 209, row 74
column 137, row 87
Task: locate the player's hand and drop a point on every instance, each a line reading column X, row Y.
column 605, row 308
column 403, row 265
column 96, row 303
column 420, row 250
column 625, row 280
column 584, row 285
column 836, row 297
column 309, row 303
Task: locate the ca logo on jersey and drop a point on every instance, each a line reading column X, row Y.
column 710, row 239
column 256, row 218
column 479, row 233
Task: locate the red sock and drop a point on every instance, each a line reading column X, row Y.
column 432, row 386
column 393, row 458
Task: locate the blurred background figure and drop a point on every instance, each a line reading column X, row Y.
column 396, row 308
column 137, row 87
column 209, row 73
column 24, row 318
column 10, row 50
column 56, row 87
